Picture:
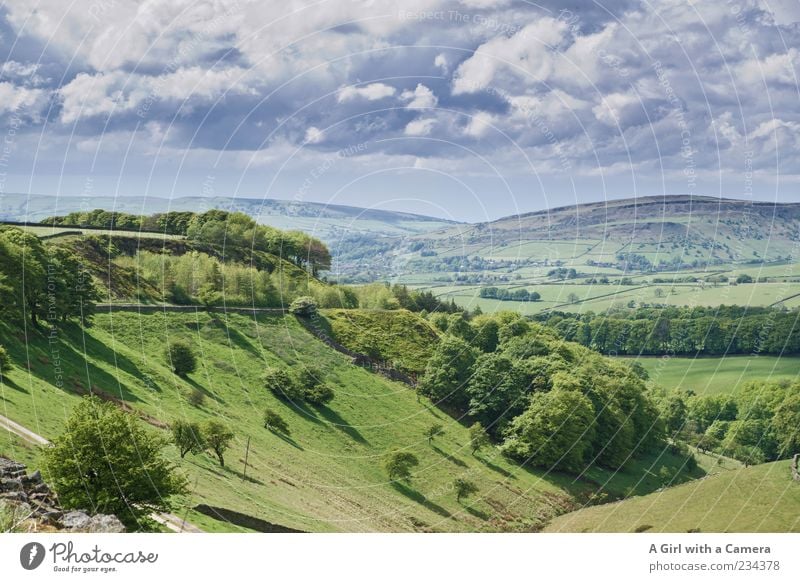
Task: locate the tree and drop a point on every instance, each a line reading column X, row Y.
column 786, row 426
column 496, row 389
column 673, row 411
column 555, row 432
column 108, row 462
column 572, row 298
column 274, row 422
column 744, row 278
column 218, row 438
column 447, row 372
column 464, row 488
column 433, row 431
column 659, row 292
column 399, row 465
column 188, row 437
column 478, row 438
column 5, row 362
column 181, row 358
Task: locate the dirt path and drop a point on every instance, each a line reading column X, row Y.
column 168, row 520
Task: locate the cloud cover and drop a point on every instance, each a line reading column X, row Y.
column 583, row 88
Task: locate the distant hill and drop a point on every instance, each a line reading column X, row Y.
column 327, row 221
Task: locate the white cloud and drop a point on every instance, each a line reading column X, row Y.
column 479, row 124
column 371, row 92
column 22, row 101
column 420, row 127
column 314, row 135
column 420, row 98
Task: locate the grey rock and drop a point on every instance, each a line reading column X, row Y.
column 78, row 521
column 75, row 520
column 7, row 484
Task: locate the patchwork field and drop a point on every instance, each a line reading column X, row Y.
column 718, row 375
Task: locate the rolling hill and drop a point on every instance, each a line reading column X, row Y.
column 762, row 498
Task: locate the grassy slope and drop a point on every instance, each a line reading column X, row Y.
column 400, row 337
column 757, row 499
column 718, row 375
column 329, row 476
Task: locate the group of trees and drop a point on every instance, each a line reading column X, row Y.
column 682, row 331
column 193, row 437
column 42, row 282
column 306, row 385
column 549, row 403
column 757, row 424
column 230, row 235
column 503, row 294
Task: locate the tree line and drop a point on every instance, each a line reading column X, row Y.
column 229, row 234
column 547, row 402
column 682, row 330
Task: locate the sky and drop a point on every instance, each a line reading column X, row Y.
column 465, row 109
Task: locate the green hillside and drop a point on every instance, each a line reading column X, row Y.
column 762, row 498
column 328, row 474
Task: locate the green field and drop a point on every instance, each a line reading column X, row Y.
column 328, row 475
column 718, row 375
column 762, row 498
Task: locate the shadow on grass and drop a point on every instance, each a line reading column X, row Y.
column 420, row 498
column 335, row 420
column 497, row 469
column 199, row 388
column 288, row 439
column 449, row 457
column 235, row 337
column 477, row 513
column 242, row 476
column 6, row 381
column 301, row 409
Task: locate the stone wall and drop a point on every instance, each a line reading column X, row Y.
column 34, row 506
column 795, row 467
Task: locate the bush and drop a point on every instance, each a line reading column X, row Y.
column 274, row 422
column 181, row 358
column 196, row 397
column 283, row 384
column 107, row 461
column 319, row 394
column 303, row 306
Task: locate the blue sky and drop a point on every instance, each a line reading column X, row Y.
column 469, row 109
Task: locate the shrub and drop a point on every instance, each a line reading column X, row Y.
column 319, row 394
column 283, row 384
column 181, row 358
column 196, row 397
column 433, row 431
column 303, row 306
column 275, row 422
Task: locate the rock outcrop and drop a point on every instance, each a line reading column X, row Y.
column 33, row 506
